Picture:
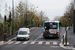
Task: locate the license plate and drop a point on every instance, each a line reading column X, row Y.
column 50, row 35
column 21, row 38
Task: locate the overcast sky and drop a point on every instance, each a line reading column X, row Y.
column 51, row 8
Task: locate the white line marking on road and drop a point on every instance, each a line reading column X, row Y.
column 12, row 39
column 38, row 37
column 25, row 42
column 40, row 42
column 55, row 43
column 54, row 46
column 67, row 43
column 47, row 42
column 17, row 42
column 10, row 42
column 32, row 42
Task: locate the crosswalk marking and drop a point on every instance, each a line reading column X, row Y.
column 67, row 43
column 18, row 42
column 47, row 42
column 40, row 42
column 25, row 43
column 32, row 42
column 10, row 42
column 55, row 43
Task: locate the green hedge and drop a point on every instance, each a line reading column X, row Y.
column 17, row 25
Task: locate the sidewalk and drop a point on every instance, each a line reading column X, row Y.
column 71, row 36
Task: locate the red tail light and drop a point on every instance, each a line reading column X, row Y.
column 43, row 33
column 57, row 33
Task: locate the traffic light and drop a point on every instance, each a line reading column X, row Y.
column 69, row 18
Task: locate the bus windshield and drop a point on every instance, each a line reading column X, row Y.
column 50, row 26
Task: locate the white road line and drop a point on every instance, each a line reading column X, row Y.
column 47, row 42
column 40, row 42
column 17, row 42
column 12, row 39
column 10, row 42
column 32, row 42
column 55, row 43
column 38, row 37
column 24, row 42
column 67, row 43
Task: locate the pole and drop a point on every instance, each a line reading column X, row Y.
column 69, row 24
column 74, row 18
column 5, row 28
column 66, row 36
column 5, row 21
column 26, row 13
column 12, row 16
column 41, row 18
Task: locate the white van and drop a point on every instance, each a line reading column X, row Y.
column 23, row 34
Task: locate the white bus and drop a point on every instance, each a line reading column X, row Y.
column 51, row 29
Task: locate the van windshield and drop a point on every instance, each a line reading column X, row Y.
column 22, row 33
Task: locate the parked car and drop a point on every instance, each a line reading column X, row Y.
column 23, row 34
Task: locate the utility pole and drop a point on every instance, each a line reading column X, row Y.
column 5, row 21
column 12, row 16
column 41, row 18
column 10, row 19
column 74, row 18
column 26, row 13
column 0, row 11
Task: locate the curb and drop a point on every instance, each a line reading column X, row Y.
column 68, row 46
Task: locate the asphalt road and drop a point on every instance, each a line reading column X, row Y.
column 36, row 42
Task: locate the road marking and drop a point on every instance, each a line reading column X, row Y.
column 10, row 42
column 18, row 42
column 55, row 43
column 47, row 42
column 40, row 42
column 12, row 39
column 67, row 43
column 32, row 42
column 25, row 43
column 38, row 37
